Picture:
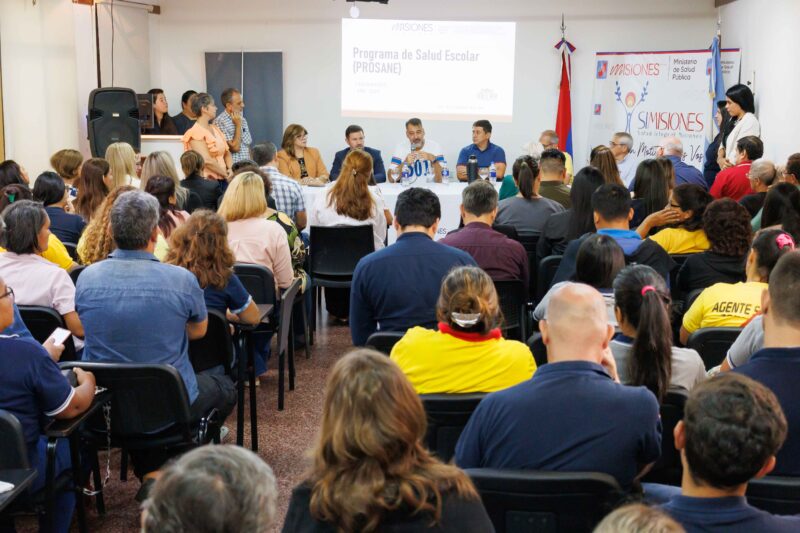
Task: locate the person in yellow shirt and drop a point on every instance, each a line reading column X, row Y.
column 467, row 353
column 732, row 304
column 684, row 215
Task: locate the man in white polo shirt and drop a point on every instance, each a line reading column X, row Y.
column 423, row 156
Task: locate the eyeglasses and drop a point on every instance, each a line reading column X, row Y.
column 9, row 292
column 612, row 144
column 674, row 206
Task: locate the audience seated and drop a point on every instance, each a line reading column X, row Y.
column 578, row 418
column 671, row 148
column 12, row 173
column 37, row 281
column 97, row 242
column 161, row 164
column 727, row 227
column 651, row 188
column 396, row 288
column 500, row 257
column 552, row 177
column 621, row 145
column 208, row 140
column 170, row 217
column 138, row 310
column 94, row 184
column 33, row 389
column 287, row 192
column 212, row 489
column 578, row 220
column 49, row 189
column 782, row 209
column 776, row 365
column 372, row 431
column 732, row 428
column 208, row 191
column 686, row 234
column 733, row 182
column 611, row 205
column 122, row 160
column 603, row 160
column 467, row 353
column 67, row 164
column 598, row 262
column 527, row 211
column 643, row 349
column 638, row 518
column 762, row 175
column 732, row 304
column 749, row 341
column 299, row 161
column 55, row 252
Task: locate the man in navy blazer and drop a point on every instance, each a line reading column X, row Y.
column 354, row 136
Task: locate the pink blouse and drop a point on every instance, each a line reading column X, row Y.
column 262, row 242
column 214, row 139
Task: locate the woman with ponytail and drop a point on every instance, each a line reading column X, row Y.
column 643, row 350
column 527, row 211
column 468, row 352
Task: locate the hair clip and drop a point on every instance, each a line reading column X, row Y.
column 465, row 320
column 648, row 288
column 783, row 240
column 11, row 197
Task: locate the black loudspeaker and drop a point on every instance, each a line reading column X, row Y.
column 113, row 117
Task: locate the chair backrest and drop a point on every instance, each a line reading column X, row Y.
column 507, row 230
column 512, row 303
column 546, row 272
column 41, row 321
column 538, row 349
column 286, row 307
column 518, row 501
column 75, row 273
column 775, row 494
column 72, row 250
column 258, row 281
column 384, row 341
column 447, row 416
column 336, row 250
column 145, row 398
column 712, row 344
column 13, row 451
column 216, row 348
column 673, row 274
column 668, row 469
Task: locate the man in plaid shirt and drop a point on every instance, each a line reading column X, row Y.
column 234, row 125
column 286, row 192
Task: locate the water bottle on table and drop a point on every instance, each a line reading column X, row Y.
column 472, row 168
column 492, row 172
column 405, row 178
column 445, row 173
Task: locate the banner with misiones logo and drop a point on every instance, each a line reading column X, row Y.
column 653, row 95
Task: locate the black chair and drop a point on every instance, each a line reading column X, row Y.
column 538, row 349
column 712, row 344
column 521, row 501
column 384, row 341
column 215, row 348
column 673, row 274
column 669, row 469
column 507, row 230
column 285, row 345
column 512, row 303
column 72, row 250
column 75, row 273
column 447, row 415
column 545, row 274
column 41, row 321
column 529, row 242
column 775, row 494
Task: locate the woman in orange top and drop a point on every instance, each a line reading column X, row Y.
column 207, row 139
column 298, row 161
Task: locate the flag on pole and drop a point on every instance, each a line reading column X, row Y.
column 564, row 116
column 716, row 85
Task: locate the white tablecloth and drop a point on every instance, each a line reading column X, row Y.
column 449, row 197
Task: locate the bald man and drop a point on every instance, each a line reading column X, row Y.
column 672, row 148
column 572, row 415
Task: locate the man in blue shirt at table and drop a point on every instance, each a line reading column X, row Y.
column 482, row 148
column 396, row 288
column 672, row 148
column 135, row 309
column 354, row 137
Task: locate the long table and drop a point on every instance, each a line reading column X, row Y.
column 449, row 197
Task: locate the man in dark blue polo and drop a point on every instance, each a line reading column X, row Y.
column 573, row 415
column 672, row 149
column 396, row 288
column 777, row 365
column 354, row 137
column 482, row 148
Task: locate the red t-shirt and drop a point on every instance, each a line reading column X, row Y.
column 732, row 182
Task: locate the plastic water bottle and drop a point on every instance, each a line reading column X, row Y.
column 405, row 179
column 445, row 173
column 492, row 172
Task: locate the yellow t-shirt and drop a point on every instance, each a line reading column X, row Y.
column 724, row 305
column 681, row 241
column 56, row 253
column 436, row 362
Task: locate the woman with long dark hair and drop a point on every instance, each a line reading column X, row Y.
column 741, row 107
column 527, row 211
column 710, row 163
column 51, row 190
column 170, row 217
column 603, row 160
column 94, row 184
column 686, row 235
column 650, row 191
column 575, row 221
column 782, row 209
column 643, row 350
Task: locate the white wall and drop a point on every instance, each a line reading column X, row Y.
column 770, row 54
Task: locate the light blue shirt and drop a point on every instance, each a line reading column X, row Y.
column 627, row 169
column 134, row 309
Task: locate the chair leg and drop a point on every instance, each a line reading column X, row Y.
column 241, row 376
column 49, row 495
column 281, row 384
column 306, row 328
column 291, row 358
column 253, row 405
column 98, row 482
column 77, row 480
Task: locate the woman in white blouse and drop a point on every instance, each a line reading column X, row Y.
column 350, row 202
column 741, row 106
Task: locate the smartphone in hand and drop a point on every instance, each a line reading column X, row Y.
column 59, row 335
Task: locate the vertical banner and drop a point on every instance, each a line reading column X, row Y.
column 653, row 95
